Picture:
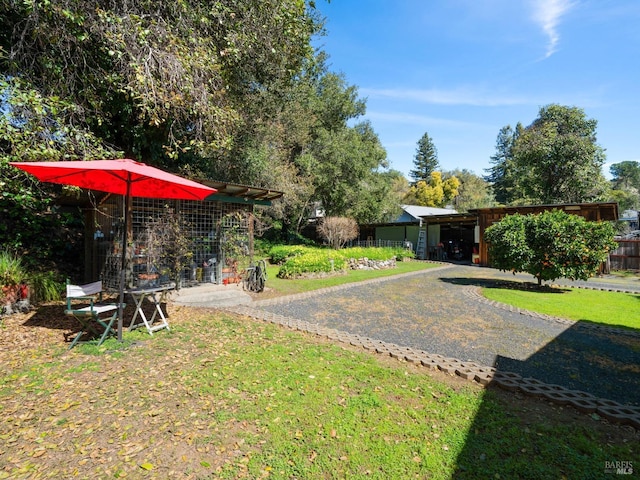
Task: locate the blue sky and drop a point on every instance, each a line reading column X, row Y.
column 460, row 70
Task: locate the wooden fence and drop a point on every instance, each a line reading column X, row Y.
column 626, row 256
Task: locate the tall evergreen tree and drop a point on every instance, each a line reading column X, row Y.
column 425, row 160
column 500, row 175
column 473, row 192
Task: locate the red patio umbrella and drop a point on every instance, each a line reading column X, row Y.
column 123, row 177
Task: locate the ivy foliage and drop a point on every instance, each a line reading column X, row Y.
column 550, row 245
column 232, row 91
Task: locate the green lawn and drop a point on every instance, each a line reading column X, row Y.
column 608, row 308
column 290, row 286
column 224, row 397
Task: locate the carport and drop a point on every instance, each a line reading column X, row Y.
column 466, row 230
column 458, row 233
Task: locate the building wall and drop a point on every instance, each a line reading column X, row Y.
column 592, row 212
column 398, row 233
column 393, row 234
column 412, row 235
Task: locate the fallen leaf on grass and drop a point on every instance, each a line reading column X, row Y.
column 38, row 453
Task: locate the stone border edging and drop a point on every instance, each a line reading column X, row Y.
column 582, row 401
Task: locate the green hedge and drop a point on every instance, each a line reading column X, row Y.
column 280, row 253
column 319, row 261
column 296, row 260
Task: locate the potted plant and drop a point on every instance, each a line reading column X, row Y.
column 12, row 284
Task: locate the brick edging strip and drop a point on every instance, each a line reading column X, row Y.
column 346, row 286
column 584, row 402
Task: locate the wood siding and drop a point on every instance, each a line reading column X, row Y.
column 590, row 211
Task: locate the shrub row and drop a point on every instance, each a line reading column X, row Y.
column 296, row 260
column 280, row 253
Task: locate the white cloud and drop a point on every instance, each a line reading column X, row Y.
column 420, row 120
column 547, row 14
column 460, row 96
column 413, row 119
column 475, row 97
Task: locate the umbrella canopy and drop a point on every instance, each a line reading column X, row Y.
column 122, row 177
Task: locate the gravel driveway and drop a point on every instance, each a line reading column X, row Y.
column 435, row 312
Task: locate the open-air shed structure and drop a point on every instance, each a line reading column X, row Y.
column 466, row 230
column 158, row 227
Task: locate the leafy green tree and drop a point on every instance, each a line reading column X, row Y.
column 345, row 170
column 181, row 85
column 425, row 160
column 398, row 187
column 226, row 90
column 304, row 139
column 473, row 192
column 549, row 245
column 161, row 81
column 33, row 127
column 556, row 159
column 626, row 184
column 626, row 199
column 344, row 164
column 626, row 175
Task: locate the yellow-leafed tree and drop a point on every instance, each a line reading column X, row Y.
column 436, row 193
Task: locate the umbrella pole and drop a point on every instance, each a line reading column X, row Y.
column 123, row 264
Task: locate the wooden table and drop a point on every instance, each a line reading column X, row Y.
column 155, row 295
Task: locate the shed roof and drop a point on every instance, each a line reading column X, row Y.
column 418, row 211
column 412, row 215
column 457, row 218
column 604, row 210
column 241, row 193
column 592, row 211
